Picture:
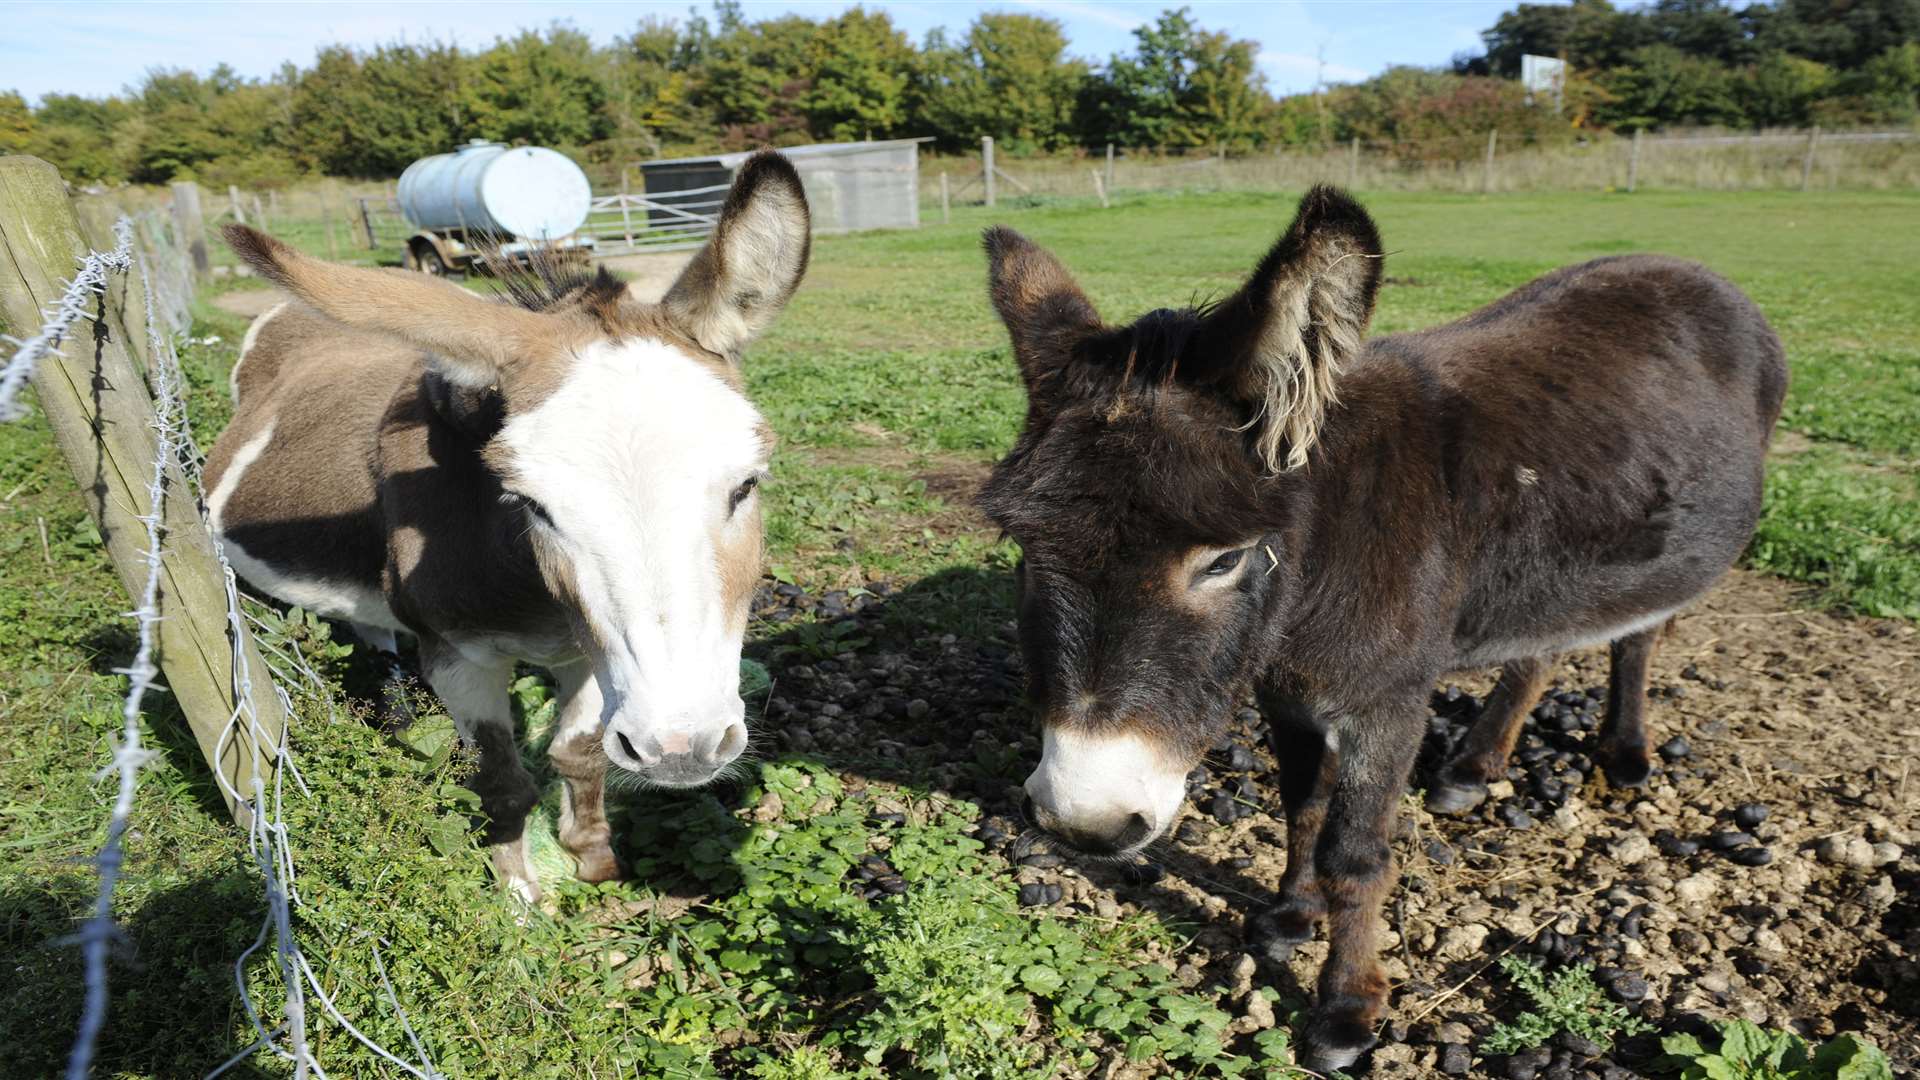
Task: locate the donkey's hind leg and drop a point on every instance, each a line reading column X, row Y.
column 1462, row 783
column 577, row 756
column 475, row 694
column 1623, row 738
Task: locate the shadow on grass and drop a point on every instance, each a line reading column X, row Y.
column 172, row 1007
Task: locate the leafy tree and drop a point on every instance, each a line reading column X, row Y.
column 544, row 89
column 1183, row 87
column 1780, row 89
column 861, row 66
column 1009, row 78
column 649, row 87
column 16, row 123
column 752, row 75
column 373, row 114
column 1662, row 85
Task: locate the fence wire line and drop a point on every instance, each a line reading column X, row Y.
column 60, row 316
column 267, row 834
column 98, row 933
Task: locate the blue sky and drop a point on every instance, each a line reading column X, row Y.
column 98, row 48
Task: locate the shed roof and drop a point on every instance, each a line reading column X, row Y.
column 811, row 150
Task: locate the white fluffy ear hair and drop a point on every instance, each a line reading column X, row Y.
column 1280, row 343
column 752, row 264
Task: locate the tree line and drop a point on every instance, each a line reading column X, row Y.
column 727, row 82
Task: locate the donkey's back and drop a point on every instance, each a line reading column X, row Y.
column 1599, row 437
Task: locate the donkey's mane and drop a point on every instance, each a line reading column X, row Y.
column 544, row 280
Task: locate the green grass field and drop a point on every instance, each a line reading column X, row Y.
column 736, row 949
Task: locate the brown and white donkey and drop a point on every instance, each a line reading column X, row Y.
column 1252, row 493
column 568, row 480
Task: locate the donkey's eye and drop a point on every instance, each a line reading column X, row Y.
column 1225, row 563
column 531, row 506
column 740, row 493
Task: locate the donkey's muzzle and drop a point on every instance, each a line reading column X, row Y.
column 677, row 756
column 1114, row 834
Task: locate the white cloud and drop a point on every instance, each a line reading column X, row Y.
column 1297, row 69
column 1117, row 17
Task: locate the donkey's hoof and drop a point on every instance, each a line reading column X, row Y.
column 1627, row 768
column 1336, row 1036
column 1446, row 797
column 596, row 864
column 1277, row 930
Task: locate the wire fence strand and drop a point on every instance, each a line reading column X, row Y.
column 268, row 839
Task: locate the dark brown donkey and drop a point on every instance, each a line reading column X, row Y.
column 1253, row 494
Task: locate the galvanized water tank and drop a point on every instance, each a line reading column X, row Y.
column 528, row 191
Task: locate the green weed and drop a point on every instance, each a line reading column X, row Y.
column 1568, row 1000
column 1749, row 1052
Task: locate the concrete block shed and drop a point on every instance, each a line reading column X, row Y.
column 850, row 186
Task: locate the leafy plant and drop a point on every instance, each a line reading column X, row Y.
column 1568, row 1000
column 1749, row 1052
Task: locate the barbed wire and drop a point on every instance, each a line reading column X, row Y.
column 89, row 281
column 98, row 933
column 268, row 839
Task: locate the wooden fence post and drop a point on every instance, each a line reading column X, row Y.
column 986, row 155
column 101, row 416
column 366, row 222
column 1633, row 162
column 125, row 298
column 1109, row 166
column 1493, row 139
column 1806, row 163
column 626, row 212
column 1099, row 187
column 946, row 202
column 1353, row 163
column 191, row 228
column 233, row 199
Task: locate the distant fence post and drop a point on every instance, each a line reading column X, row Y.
column 1633, row 162
column 190, row 227
column 1099, row 188
column 102, row 419
column 1109, row 166
column 986, row 155
column 1353, row 162
column 366, row 223
column 1806, row 163
column 946, row 202
column 233, row 199
column 1486, row 181
column 626, row 211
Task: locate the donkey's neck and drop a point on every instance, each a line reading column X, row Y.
column 458, row 560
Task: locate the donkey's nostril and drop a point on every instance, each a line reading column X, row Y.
column 627, row 746
column 1137, row 830
column 732, row 741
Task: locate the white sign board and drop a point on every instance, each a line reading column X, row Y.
column 1544, row 78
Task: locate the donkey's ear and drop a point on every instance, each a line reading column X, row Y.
column 753, row 262
column 473, row 337
column 1045, row 311
column 1279, row 343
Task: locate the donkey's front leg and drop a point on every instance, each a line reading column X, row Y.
column 578, row 757
column 475, row 694
column 1355, row 864
column 1299, row 743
